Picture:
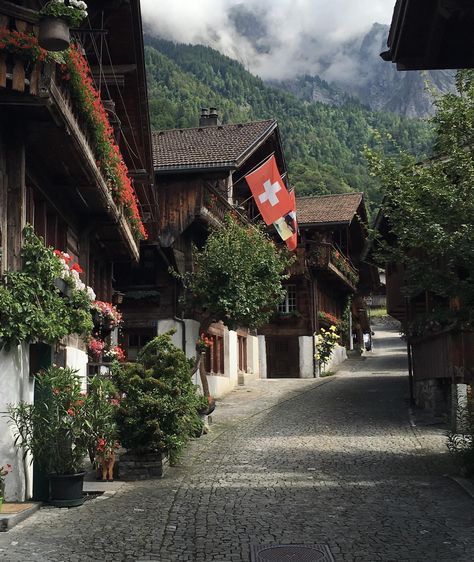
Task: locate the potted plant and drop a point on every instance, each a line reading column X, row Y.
column 102, row 403
column 158, row 411
column 115, row 353
column 57, row 16
column 4, row 471
column 105, row 317
column 55, row 431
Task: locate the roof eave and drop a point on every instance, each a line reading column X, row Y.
column 256, row 144
column 333, row 223
column 221, row 167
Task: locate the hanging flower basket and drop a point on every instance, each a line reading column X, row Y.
column 57, row 16
column 54, row 34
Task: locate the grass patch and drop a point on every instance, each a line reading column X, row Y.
column 327, row 374
column 378, row 312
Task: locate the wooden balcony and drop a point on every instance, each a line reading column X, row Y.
column 326, row 257
column 213, row 208
column 36, row 101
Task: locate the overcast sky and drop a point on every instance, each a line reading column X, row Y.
column 296, row 36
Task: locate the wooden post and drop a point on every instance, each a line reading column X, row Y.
column 18, row 79
column 3, row 71
column 16, row 199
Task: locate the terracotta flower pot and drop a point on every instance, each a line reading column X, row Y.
column 54, row 34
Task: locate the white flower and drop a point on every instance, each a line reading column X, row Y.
column 91, row 294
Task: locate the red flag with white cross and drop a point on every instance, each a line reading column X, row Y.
column 269, row 191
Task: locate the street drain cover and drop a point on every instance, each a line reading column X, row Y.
column 292, row 553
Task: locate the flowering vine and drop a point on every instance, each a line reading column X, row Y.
column 24, row 45
column 203, row 343
column 329, row 318
column 70, row 273
column 76, row 71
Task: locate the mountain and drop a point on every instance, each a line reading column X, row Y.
column 372, row 81
column 323, row 144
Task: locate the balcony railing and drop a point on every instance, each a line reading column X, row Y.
column 214, row 207
column 26, row 84
column 326, row 257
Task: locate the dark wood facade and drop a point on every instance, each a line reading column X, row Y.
column 323, row 278
column 192, row 198
column 49, row 176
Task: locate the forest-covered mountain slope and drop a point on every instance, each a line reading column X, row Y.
column 323, row 144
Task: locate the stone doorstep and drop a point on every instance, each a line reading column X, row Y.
column 14, row 513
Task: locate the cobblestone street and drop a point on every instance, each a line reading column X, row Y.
column 333, row 460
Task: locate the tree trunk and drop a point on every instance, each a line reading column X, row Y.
column 199, row 365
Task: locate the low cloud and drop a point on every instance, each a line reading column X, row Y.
column 273, row 38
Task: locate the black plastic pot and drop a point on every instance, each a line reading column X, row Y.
column 65, row 490
column 53, row 34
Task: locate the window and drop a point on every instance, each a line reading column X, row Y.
column 214, row 358
column 137, row 340
column 289, row 303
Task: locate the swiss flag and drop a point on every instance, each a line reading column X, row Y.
column 292, row 242
column 269, row 191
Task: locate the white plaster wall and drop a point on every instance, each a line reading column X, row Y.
column 231, row 356
column 262, row 357
column 191, row 334
column 219, row 386
column 170, row 324
column 15, row 386
column 339, row 355
column 252, row 356
column 306, row 348
column 77, row 359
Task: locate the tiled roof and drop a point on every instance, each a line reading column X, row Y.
column 208, row 147
column 333, row 209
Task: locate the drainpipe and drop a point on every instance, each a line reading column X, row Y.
column 409, row 353
column 314, row 322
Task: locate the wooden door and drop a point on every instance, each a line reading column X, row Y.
column 283, row 360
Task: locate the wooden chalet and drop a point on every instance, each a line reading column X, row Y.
column 328, row 271
column 440, row 359
column 50, row 176
column 428, row 35
column 200, row 177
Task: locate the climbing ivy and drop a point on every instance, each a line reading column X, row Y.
column 32, row 308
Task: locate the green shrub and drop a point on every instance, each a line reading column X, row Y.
column 160, row 405
column 461, row 443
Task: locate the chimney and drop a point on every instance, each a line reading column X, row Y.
column 213, row 117
column 204, row 119
column 209, row 117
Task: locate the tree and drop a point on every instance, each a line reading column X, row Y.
column 430, row 206
column 237, row 278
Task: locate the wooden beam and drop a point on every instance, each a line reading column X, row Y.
column 16, row 201
column 19, row 12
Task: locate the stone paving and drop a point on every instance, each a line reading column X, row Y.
column 332, row 461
